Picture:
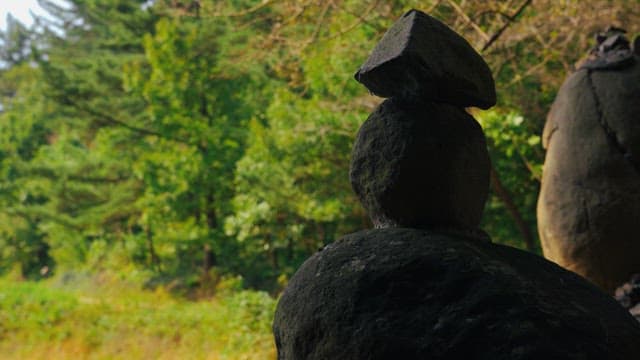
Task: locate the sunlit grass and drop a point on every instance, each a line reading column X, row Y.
column 48, row 321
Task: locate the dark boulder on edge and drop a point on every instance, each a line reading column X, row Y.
column 420, row 57
column 589, row 202
column 414, row 294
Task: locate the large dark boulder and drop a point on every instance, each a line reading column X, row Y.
column 589, row 203
column 420, row 57
column 421, row 165
column 415, row 294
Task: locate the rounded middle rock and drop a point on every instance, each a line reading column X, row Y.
column 421, row 165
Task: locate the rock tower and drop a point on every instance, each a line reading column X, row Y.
column 420, row 160
column 589, row 203
column 427, row 283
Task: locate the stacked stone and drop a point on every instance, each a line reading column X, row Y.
column 420, row 160
column 427, row 283
column 589, row 202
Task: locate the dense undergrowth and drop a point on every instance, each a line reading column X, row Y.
column 100, row 318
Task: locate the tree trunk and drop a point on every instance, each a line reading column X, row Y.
column 507, row 200
column 209, row 256
column 208, row 260
column 273, row 254
column 154, row 260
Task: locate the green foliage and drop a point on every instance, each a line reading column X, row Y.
column 200, row 112
column 516, row 153
column 191, row 141
column 30, row 305
column 22, row 243
column 293, row 190
column 55, row 320
column 66, row 165
column 293, row 193
column 200, row 148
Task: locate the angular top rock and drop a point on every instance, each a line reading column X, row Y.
column 420, row 57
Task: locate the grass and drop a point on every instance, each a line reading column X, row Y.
column 52, row 320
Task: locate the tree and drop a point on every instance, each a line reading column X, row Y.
column 181, row 136
column 15, row 43
column 201, row 102
column 22, row 243
column 77, row 170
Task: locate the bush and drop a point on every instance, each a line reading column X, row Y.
column 99, row 319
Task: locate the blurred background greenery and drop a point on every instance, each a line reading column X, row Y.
column 165, row 166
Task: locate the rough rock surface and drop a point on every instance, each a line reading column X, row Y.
column 589, row 203
column 421, row 165
column 414, row 294
column 420, row 57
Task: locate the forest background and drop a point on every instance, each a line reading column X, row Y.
column 189, row 155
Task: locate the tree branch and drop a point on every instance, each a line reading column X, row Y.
column 506, row 198
column 362, row 16
column 510, row 20
column 98, row 180
column 361, row 20
column 466, row 18
column 248, row 11
column 106, row 118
